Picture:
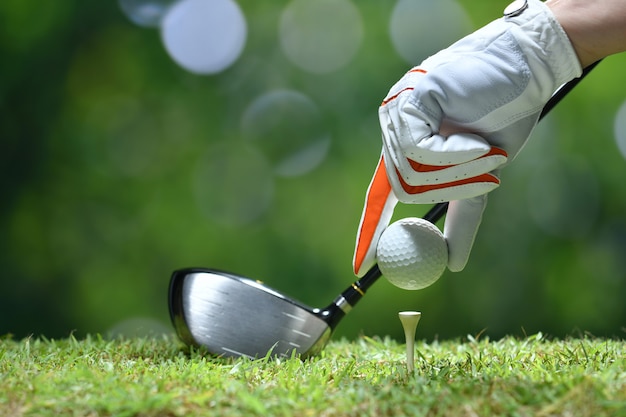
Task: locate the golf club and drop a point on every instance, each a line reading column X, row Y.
column 231, row 315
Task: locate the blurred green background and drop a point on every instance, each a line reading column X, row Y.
column 119, row 166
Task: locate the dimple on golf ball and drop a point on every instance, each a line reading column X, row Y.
column 412, row 253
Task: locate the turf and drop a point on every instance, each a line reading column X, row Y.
column 533, row 376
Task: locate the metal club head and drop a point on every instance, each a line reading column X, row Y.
column 235, row 316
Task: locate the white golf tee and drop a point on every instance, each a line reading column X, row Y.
column 409, row 320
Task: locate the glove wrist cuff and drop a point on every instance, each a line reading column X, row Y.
column 539, row 26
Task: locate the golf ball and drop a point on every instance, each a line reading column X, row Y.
column 412, row 253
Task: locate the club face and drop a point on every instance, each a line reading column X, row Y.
column 233, row 316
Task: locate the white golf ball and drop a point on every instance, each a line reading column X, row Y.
column 412, row 253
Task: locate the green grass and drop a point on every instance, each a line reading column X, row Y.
column 159, row 377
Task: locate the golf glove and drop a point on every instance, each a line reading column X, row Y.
column 451, row 123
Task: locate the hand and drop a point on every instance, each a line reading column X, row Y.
column 451, row 123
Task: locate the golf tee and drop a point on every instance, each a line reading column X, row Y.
column 409, row 320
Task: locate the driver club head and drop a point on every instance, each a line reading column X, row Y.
column 234, row 316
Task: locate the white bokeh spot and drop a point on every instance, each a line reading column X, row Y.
column 321, row 36
column 146, row 13
column 419, row 29
column 204, row 36
column 286, row 126
column 619, row 128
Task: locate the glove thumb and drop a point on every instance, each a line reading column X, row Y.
column 460, row 229
column 377, row 212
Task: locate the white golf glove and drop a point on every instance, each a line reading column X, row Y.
column 449, row 124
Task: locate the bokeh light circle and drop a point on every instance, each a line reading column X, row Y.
column 564, row 198
column 146, row 13
column 204, row 37
column 419, row 29
column 286, row 126
column 619, row 128
column 320, row 36
column 233, row 184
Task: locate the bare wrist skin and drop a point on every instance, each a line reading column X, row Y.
column 596, row 29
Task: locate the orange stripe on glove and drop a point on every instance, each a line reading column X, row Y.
column 379, row 204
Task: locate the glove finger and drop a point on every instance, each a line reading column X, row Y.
column 415, row 174
column 460, row 229
column 377, row 212
column 397, row 135
column 453, row 149
column 422, row 136
column 391, row 146
column 423, row 157
column 400, row 131
column 438, row 193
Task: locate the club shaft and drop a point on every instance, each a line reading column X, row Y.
column 356, row 291
column 564, row 90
